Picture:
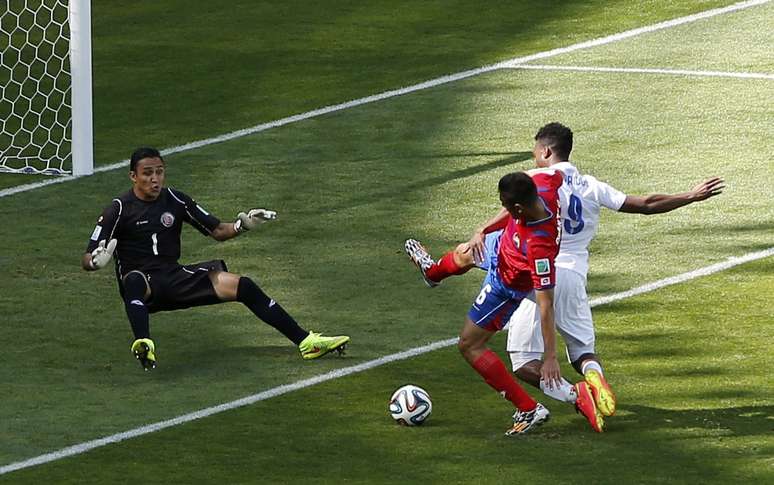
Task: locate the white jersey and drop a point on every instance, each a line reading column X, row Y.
column 581, row 197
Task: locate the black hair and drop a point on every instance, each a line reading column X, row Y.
column 140, row 153
column 557, row 137
column 517, row 188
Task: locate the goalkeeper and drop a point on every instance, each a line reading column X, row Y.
column 140, row 230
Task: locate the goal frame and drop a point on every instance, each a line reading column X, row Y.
column 80, row 73
column 68, row 126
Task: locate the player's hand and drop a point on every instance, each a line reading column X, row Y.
column 709, row 188
column 477, row 246
column 101, row 256
column 251, row 219
column 550, row 372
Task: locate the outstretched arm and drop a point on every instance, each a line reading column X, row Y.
column 224, row 231
column 660, row 203
column 101, row 244
column 244, row 222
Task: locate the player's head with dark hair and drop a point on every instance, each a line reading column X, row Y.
column 140, row 153
column 517, row 191
column 146, row 170
column 553, row 143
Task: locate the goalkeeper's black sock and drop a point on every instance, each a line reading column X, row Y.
column 134, row 294
column 268, row 310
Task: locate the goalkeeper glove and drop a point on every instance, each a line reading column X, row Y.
column 250, row 220
column 100, row 257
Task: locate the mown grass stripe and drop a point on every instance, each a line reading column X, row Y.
column 406, row 354
column 642, row 70
column 416, row 87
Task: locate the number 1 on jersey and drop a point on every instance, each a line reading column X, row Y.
column 155, row 240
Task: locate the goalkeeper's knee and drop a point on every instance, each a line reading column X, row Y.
column 136, row 287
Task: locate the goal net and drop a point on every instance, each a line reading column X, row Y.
column 45, row 87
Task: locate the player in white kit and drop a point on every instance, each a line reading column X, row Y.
column 582, row 198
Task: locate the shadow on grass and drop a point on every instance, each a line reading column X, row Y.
column 8, row 180
column 606, row 282
column 764, row 227
column 401, row 190
column 734, row 421
column 705, row 371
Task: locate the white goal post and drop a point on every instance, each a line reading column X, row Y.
column 45, row 87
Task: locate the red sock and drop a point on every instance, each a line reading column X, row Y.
column 496, row 375
column 444, row 268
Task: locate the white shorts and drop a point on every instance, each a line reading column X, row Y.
column 571, row 313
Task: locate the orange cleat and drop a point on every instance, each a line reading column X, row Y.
column 585, row 406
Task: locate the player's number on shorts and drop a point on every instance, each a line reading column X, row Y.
column 575, row 223
column 484, row 292
column 155, row 240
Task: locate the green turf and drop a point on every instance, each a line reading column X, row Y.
column 693, row 408
column 735, row 42
column 349, row 188
column 170, row 73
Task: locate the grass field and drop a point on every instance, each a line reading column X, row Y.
column 690, row 362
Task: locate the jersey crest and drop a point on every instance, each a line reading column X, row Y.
column 167, row 219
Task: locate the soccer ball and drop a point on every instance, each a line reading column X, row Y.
column 410, row 405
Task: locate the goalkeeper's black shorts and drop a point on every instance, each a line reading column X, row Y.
column 174, row 287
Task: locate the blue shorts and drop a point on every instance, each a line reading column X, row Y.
column 492, row 245
column 496, row 302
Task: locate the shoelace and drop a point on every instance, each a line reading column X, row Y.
column 424, row 259
column 524, row 416
column 316, row 342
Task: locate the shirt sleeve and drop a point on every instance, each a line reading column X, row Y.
column 558, row 179
column 540, row 256
column 106, row 225
column 543, row 247
column 610, row 197
column 547, row 177
column 195, row 214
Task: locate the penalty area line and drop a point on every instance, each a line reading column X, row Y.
column 287, row 388
column 410, row 89
column 644, row 70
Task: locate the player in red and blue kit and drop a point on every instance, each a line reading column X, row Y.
column 522, row 243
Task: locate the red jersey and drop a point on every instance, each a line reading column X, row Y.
column 527, row 249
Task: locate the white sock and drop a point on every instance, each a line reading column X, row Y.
column 564, row 392
column 591, row 365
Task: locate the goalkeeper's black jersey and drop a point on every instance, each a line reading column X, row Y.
column 148, row 233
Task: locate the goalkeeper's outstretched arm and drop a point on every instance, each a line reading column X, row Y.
column 100, row 257
column 101, row 244
column 245, row 221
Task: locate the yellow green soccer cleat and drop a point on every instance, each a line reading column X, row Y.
column 603, row 395
column 315, row 345
column 144, row 350
column 585, row 405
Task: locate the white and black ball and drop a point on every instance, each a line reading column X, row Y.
column 410, row 405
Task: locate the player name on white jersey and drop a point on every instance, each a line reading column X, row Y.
column 581, row 198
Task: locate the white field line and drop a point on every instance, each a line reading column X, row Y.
column 673, row 280
column 639, row 70
column 284, row 389
column 416, row 87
